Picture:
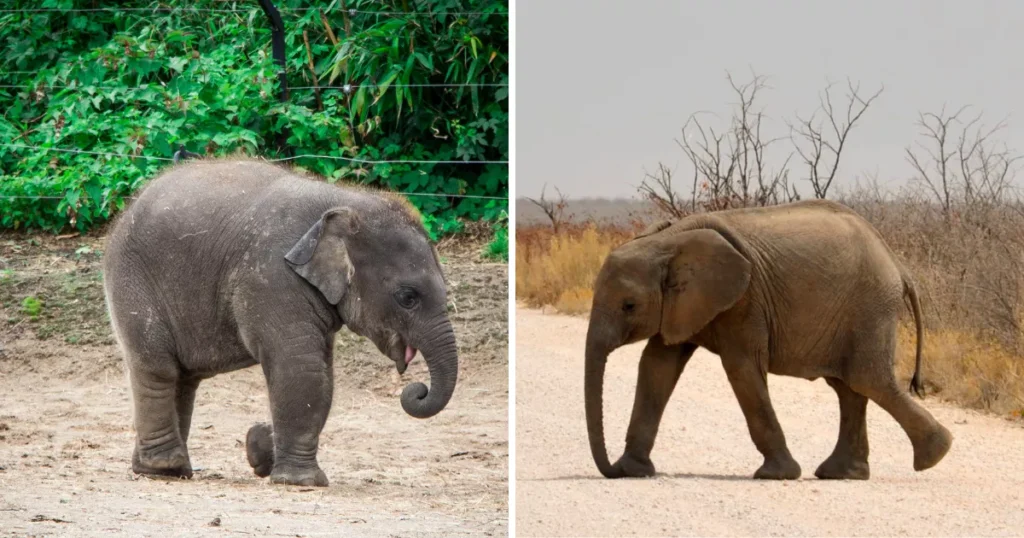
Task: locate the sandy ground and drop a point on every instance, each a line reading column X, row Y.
column 66, row 437
column 704, row 457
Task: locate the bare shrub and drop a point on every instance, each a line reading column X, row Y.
column 554, row 209
column 960, row 162
column 657, row 189
column 731, row 166
column 820, row 138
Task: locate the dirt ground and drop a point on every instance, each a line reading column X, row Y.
column 66, row 435
column 705, row 458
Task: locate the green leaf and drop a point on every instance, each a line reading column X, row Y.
column 359, row 104
column 424, row 60
column 383, row 86
column 177, row 63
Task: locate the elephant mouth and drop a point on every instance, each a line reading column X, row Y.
column 400, row 352
column 408, row 356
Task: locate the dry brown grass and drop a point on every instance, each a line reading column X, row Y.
column 969, row 271
column 559, row 269
column 966, row 368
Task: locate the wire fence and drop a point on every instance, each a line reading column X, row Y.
column 347, row 88
column 281, row 159
column 428, row 194
column 162, row 9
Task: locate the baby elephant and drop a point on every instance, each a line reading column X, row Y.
column 224, row 264
column 805, row 290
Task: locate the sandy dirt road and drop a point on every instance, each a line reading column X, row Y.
column 66, row 435
column 704, row 458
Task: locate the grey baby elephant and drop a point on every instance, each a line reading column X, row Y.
column 224, row 264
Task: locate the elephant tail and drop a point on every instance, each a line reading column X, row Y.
column 911, row 292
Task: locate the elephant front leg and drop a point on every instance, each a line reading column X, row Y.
column 660, row 368
column 849, row 460
column 300, row 386
column 750, row 385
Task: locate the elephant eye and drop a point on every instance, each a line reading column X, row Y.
column 407, row 297
column 628, row 306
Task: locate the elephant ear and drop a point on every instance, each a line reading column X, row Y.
column 321, row 255
column 706, row 275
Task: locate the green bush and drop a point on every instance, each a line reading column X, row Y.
column 31, row 307
column 498, row 247
column 139, row 83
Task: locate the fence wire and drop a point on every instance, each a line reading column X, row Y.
column 347, row 88
column 156, row 9
column 281, row 159
column 427, row 194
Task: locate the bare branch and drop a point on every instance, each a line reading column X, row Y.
column 982, row 173
column 657, row 188
column 823, row 155
column 554, row 209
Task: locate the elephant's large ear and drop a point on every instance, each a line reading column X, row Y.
column 706, row 276
column 321, row 256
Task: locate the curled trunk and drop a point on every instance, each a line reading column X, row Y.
column 442, row 358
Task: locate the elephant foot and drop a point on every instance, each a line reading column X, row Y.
column 785, row 468
column 835, row 468
column 259, row 449
column 298, row 476
column 934, row 447
column 170, row 462
column 633, row 467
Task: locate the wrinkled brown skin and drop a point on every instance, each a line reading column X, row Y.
column 807, row 290
column 225, row 264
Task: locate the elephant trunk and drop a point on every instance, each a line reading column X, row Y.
column 442, row 356
column 593, row 388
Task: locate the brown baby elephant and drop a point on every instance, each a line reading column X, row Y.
column 807, row 290
column 225, row 264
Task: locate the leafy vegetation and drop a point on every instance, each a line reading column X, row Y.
column 31, row 307
column 415, row 80
column 498, row 247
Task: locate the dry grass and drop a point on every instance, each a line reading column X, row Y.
column 965, row 368
column 559, row 269
column 969, row 271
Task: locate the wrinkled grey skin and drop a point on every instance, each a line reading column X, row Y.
column 805, row 290
column 225, row 264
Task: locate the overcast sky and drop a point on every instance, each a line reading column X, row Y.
column 603, row 88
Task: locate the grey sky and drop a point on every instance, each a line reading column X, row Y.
column 603, row 88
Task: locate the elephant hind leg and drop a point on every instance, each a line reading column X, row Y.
column 849, row 459
column 873, row 376
column 259, row 449
column 930, row 439
column 159, row 446
column 185, row 399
